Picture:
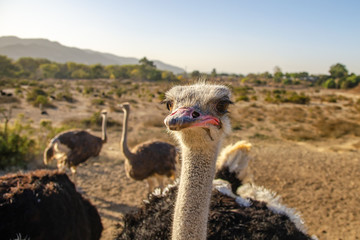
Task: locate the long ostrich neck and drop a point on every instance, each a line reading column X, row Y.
column 104, row 136
column 125, row 148
column 193, row 199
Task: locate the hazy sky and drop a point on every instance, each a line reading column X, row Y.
column 234, row 36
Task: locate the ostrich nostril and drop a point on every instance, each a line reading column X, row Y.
column 195, row 114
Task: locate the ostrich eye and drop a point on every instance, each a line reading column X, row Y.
column 222, row 106
column 169, row 105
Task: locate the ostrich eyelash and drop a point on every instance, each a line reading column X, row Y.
column 169, row 104
column 222, row 106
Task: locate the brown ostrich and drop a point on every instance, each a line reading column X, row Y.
column 151, row 160
column 70, row 148
column 44, row 204
column 199, row 121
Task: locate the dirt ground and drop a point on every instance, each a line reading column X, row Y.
column 322, row 186
column 320, row 178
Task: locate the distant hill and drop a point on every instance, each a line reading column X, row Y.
column 15, row 48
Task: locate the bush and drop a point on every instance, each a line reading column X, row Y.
column 41, row 100
column 298, row 99
column 120, row 91
column 287, row 81
column 65, row 96
column 15, row 150
column 279, row 91
column 16, row 147
column 329, row 98
column 281, row 96
column 38, row 96
column 88, row 90
column 242, row 98
column 98, row 101
column 330, row 83
column 161, row 96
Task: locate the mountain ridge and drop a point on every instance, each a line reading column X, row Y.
column 15, row 48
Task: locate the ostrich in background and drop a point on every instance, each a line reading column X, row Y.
column 151, row 160
column 44, row 204
column 203, row 210
column 70, row 148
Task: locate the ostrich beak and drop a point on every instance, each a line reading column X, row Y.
column 121, row 106
column 188, row 117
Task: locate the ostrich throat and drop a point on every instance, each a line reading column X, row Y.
column 193, row 199
column 125, row 149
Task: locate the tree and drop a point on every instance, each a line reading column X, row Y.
column 147, row 70
column 338, row 71
column 117, row 71
column 97, row 71
column 145, row 62
column 277, row 69
column 6, row 114
column 350, row 82
column 330, row 83
column 6, row 66
column 213, row 73
column 28, row 66
column 277, row 74
column 49, row 70
column 80, row 74
column 167, row 76
column 265, row 75
column 195, row 74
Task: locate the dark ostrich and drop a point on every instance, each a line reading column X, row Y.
column 70, row 148
column 151, row 160
column 44, row 204
column 203, row 210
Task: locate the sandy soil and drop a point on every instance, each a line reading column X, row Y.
column 319, row 177
column 322, row 186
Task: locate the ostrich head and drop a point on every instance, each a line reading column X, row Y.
column 198, row 114
column 198, row 119
column 104, row 112
column 125, row 106
column 48, row 155
column 104, row 119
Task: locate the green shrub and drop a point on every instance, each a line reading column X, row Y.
column 38, row 96
column 17, row 148
column 281, row 96
column 41, row 100
column 330, row 99
column 242, row 98
column 18, row 92
column 98, row 101
column 279, row 91
column 298, row 98
column 243, row 90
column 287, row 81
column 330, row 83
column 88, row 90
column 260, row 136
column 237, row 126
column 65, row 96
column 120, row 91
column 161, row 96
